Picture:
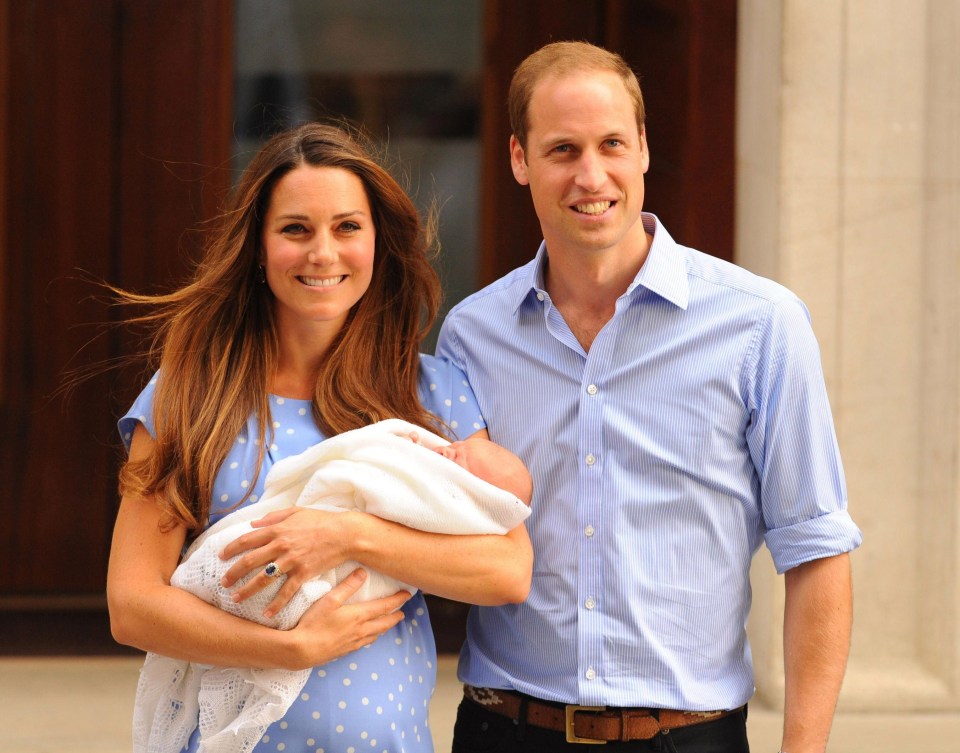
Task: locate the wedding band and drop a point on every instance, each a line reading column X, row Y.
column 272, row 570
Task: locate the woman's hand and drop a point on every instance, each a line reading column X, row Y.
column 303, row 543
column 149, row 613
column 331, row 628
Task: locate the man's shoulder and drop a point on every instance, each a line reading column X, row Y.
column 737, row 281
column 501, row 292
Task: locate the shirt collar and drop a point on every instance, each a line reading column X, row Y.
column 531, row 278
column 664, row 272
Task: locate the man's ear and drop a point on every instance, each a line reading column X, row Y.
column 645, row 149
column 518, row 162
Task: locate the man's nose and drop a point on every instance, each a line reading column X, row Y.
column 590, row 172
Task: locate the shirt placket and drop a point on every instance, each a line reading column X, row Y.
column 590, row 486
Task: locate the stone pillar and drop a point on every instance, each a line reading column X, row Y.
column 848, row 192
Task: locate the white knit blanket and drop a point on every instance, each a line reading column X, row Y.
column 376, row 469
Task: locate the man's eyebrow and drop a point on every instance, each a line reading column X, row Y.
column 552, row 141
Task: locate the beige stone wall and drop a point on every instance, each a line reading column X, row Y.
column 849, row 193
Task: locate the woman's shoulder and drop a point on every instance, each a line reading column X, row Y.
column 445, row 392
column 440, row 366
column 438, row 375
column 140, row 412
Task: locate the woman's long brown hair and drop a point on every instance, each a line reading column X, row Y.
column 216, row 344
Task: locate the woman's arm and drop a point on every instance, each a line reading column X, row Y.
column 149, row 613
column 479, row 569
column 482, row 569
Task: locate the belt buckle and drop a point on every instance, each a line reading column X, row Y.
column 570, row 712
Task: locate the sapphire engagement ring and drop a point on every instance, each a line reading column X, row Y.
column 272, row 570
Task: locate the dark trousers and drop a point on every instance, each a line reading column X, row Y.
column 479, row 730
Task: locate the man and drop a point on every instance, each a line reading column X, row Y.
column 672, row 410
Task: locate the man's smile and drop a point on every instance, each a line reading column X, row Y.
column 593, row 207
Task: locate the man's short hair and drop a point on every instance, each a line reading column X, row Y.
column 560, row 59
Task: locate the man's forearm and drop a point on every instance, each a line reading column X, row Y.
column 818, row 619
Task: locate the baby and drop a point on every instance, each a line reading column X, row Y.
column 489, row 461
column 376, row 469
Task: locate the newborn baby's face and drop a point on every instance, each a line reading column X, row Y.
column 488, row 461
column 492, row 463
column 461, row 452
column 481, row 457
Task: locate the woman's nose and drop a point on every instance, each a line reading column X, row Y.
column 321, row 251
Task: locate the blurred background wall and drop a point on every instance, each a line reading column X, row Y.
column 848, row 191
column 814, row 141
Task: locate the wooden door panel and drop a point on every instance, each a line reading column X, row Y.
column 116, row 121
column 58, row 214
column 685, row 53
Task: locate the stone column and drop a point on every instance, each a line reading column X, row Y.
column 848, row 192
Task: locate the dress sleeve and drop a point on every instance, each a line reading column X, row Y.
column 140, row 412
column 445, row 392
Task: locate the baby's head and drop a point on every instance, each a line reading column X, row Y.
column 492, row 463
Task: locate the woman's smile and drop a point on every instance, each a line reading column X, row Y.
column 321, row 282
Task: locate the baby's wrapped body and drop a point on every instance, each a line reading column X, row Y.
column 376, row 469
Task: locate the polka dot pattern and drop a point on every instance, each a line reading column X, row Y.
column 377, row 698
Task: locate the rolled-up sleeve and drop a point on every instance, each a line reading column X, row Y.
column 793, row 443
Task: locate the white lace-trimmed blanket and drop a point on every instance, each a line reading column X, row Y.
column 376, row 469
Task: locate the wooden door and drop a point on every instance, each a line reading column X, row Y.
column 115, row 129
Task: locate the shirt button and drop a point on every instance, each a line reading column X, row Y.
column 591, row 674
column 589, row 531
column 589, row 603
column 592, row 389
column 539, row 296
column 590, row 459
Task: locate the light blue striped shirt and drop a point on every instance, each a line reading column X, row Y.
column 696, row 427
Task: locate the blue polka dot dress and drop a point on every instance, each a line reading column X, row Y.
column 375, row 699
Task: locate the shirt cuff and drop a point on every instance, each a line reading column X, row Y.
column 824, row 536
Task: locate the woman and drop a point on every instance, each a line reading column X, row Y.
column 303, row 321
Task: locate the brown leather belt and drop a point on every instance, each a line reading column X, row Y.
column 589, row 724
